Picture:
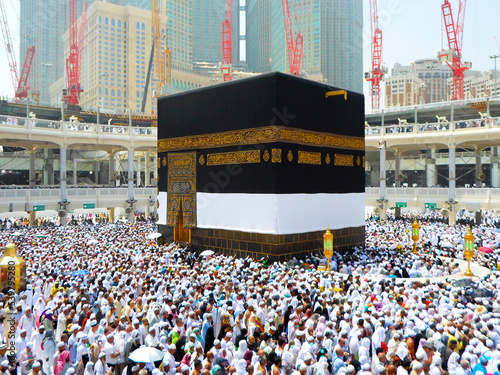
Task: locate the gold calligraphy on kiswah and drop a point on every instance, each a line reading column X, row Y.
column 266, row 134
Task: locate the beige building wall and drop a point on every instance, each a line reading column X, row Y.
column 424, row 81
column 115, row 58
column 479, row 85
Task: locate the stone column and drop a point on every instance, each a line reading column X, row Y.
column 430, row 168
column 130, row 180
column 111, row 175
column 397, row 167
column 452, row 185
column 62, row 182
column 32, row 176
column 494, row 167
column 48, row 169
column 155, row 169
column 383, row 213
column 96, row 172
column 478, row 169
column 147, row 170
column 397, row 179
column 75, row 172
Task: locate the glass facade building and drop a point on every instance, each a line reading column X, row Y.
column 332, row 31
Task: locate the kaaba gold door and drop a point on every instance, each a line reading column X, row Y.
column 181, row 234
column 181, row 192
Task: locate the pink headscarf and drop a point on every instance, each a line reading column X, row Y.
column 321, row 327
column 62, row 362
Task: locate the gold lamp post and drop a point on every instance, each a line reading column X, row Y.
column 469, row 251
column 328, row 245
column 12, row 270
column 415, row 234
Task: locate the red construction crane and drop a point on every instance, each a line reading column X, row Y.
column 376, row 74
column 294, row 49
column 227, row 49
column 453, row 56
column 81, row 35
column 20, row 84
column 72, row 62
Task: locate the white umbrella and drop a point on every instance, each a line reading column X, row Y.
column 154, row 236
column 146, row 355
column 206, row 253
column 17, row 234
column 92, row 242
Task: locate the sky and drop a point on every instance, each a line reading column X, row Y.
column 411, row 29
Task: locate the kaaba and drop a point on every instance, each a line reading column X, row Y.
column 262, row 166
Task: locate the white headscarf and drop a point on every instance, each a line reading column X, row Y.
column 89, row 368
column 240, row 365
column 452, row 361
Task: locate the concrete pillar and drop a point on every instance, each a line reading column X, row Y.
column 130, row 174
column 96, row 172
column 130, row 180
column 430, row 168
column 111, row 214
column 48, row 168
column 75, row 172
column 147, row 211
column 383, row 214
column 452, row 185
column 451, row 174
column 147, row 170
column 32, row 218
column 478, row 169
column 452, row 219
column 62, row 182
column 382, row 171
column 494, row 167
column 111, row 175
column 32, row 176
column 397, row 167
column 62, row 172
column 155, row 169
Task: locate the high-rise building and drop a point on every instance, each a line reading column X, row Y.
column 259, row 28
column 42, row 25
column 207, row 42
column 180, row 32
column 308, row 13
column 342, row 43
column 116, row 56
column 332, row 31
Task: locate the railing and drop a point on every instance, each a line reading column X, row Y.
column 440, row 192
column 454, row 103
column 74, row 127
column 76, row 192
column 435, row 127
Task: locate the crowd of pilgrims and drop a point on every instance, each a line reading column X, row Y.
column 98, row 291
